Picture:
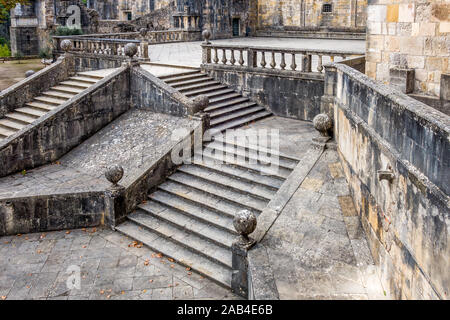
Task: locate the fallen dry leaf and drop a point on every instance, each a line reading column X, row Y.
column 3, row 297
column 170, row 259
column 84, row 247
column 108, row 296
column 150, row 281
column 67, row 232
column 102, row 291
column 172, row 266
column 188, row 269
column 39, row 252
column 189, row 273
column 144, row 291
column 123, row 292
column 19, row 235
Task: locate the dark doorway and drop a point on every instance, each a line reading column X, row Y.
column 236, row 27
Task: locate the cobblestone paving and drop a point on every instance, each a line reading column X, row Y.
column 35, row 266
column 190, row 54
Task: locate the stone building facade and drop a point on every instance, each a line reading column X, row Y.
column 408, row 43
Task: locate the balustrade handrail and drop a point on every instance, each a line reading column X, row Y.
column 78, row 38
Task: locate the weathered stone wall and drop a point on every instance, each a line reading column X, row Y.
column 149, row 92
column 288, row 94
column 409, row 34
column 57, row 132
column 406, row 220
column 24, row 91
column 308, row 14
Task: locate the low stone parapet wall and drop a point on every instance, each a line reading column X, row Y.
column 395, row 152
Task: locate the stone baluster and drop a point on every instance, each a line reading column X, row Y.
column 241, row 57
column 283, row 61
column 306, row 63
column 224, row 56
column 293, row 64
column 216, row 56
column 144, row 50
column 332, row 58
column 263, row 59
column 320, row 64
column 273, row 63
column 232, row 59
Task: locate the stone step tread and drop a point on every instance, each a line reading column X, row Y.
column 238, row 185
column 183, row 238
column 182, row 76
column 237, row 114
column 88, row 80
column 223, row 192
column 244, row 153
column 191, row 81
column 49, row 100
column 205, row 85
column 183, row 256
column 6, row 132
column 208, row 90
column 208, row 231
column 59, row 94
column 174, row 202
column 215, row 93
column 263, row 170
column 89, row 75
column 11, row 124
column 76, row 84
column 214, row 113
column 31, row 111
column 240, row 121
column 251, row 146
column 223, row 99
column 26, row 119
column 68, row 89
column 242, row 173
column 41, row 106
column 202, row 198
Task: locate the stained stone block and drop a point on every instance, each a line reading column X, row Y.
column 445, row 86
column 402, row 79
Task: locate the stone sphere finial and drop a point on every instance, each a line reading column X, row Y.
column 322, row 123
column 66, row 45
column 143, row 31
column 114, row 173
column 200, row 103
column 245, row 223
column 29, row 73
column 131, row 49
column 206, row 35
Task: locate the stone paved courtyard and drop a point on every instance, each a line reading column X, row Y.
column 34, row 266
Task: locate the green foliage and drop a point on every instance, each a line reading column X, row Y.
column 66, row 31
column 45, row 53
column 4, row 51
column 7, row 5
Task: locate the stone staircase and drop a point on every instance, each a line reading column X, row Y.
column 189, row 217
column 227, row 108
column 47, row 101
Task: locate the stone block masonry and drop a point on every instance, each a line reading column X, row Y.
column 409, row 34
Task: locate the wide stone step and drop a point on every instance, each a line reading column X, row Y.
column 11, row 124
column 206, row 91
column 237, row 114
column 87, row 80
column 183, row 76
column 6, row 132
column 191, row 82
column 49, row 100
column 40, row 106
column 245, row 200
column 203, row 230
column 236, row 184
column 67, row 89
column 277, row 174
column 89, row 75
column 31, row 112
column 182, row 255
column 16, row 116
column 198, row 86
column 194, row 211
column 241, row 173
column 223, row 98
column 214, row 113
column 76, row 84
column 254, row 156
column 59, row 95
column 240, row 121
column 203, row 199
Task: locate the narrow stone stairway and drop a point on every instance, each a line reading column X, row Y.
column 227, row 108
column 47, row 101
column 189, row 217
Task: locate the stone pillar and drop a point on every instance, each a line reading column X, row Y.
column 402, row 79
column 327, row 100
column 244, row 223
column 252, row 58
column 445, row 86
column 115, row 204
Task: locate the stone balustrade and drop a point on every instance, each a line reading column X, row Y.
column 272, row 58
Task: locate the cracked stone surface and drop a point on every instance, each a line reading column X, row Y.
column 112, row 266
